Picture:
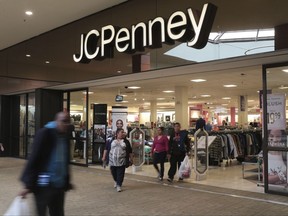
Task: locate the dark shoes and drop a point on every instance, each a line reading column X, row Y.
column 169, row 180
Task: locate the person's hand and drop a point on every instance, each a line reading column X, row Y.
column 24, row 193
column 1, row 146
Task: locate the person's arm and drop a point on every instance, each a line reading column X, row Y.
column 187, row 142
column 153, row 146
column 30, row 173
column 1, row 147
column 104, row 155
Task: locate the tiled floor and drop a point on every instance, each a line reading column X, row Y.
column 225, row 176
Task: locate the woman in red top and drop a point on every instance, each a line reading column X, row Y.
column 159, row 151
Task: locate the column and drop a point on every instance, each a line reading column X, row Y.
column 181, row 106
column 233, row 116
column 153, row 111
column 242, row 111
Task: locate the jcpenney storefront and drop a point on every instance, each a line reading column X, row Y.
column 210, row 58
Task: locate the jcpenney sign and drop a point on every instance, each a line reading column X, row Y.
column 190, row 27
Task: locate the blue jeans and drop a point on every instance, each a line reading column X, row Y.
column 118, row 173
column 159, row 157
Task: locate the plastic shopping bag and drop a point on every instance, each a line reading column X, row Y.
column 19, row 207
column 185, row 168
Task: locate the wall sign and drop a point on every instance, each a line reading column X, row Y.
column 180, row 26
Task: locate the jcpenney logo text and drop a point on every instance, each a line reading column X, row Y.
column 183, row 27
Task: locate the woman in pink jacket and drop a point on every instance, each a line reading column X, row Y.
column 159, row 151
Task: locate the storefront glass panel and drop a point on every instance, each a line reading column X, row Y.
column 80, row 137
column 31, row 122
column 276, row 129
column 22, row 126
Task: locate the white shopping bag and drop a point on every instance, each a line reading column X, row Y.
column 185, row 168
column 19, row 207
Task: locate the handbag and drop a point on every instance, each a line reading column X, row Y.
column 18, row 207
column 185, row 168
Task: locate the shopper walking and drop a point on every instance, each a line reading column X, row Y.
column 119, row 155
column 159, row 151
column 179, row 146
column 47, row 171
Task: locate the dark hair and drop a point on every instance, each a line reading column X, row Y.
column 177, row 123
column 161, row 128
column 118, row 130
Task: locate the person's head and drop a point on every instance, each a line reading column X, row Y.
column 119, row 133
column 119, row 123
column 160, row 130
column 277, row 138
column 177, row 127
column 62, row 120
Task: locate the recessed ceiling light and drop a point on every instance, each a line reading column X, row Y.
column 134, row 87
column 47, row 62
column 28, row 55
column 160, row 98
column 198, row 80
column 226, row 98
column 205, row 95
column 168, row 91
column 119, row 71
column 230, row 86
column 84, row 92
column 285, row 70
column 283, row 87
column 29, row 13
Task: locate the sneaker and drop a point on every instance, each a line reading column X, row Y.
column 180, row 179
column 169, row 180
column 119, row 189
column 115, row 184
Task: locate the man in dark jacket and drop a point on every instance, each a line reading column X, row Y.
column 47, row 171
column 179, row 146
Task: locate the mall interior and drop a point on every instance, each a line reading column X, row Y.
column 158, row 63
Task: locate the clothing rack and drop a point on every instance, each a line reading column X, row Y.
column 237, row 144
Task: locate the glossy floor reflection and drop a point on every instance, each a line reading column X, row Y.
column 225, row 176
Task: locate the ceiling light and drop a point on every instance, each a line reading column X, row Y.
column 84, row 92
column 226, row 98
column 205, row 95
column 29, row 13
column 47, row 62
column 168, row 91
column 160, row 98
column 28, row 55
column 283, row 87
column 285, row 70
column 119, row 71
column 224, row 104
column 134, row 87
column 230, row 86
column 198, row 80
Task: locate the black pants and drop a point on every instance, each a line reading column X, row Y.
column 118, row 173
column 159, row 157
column 53, row 198
column 175, row 162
